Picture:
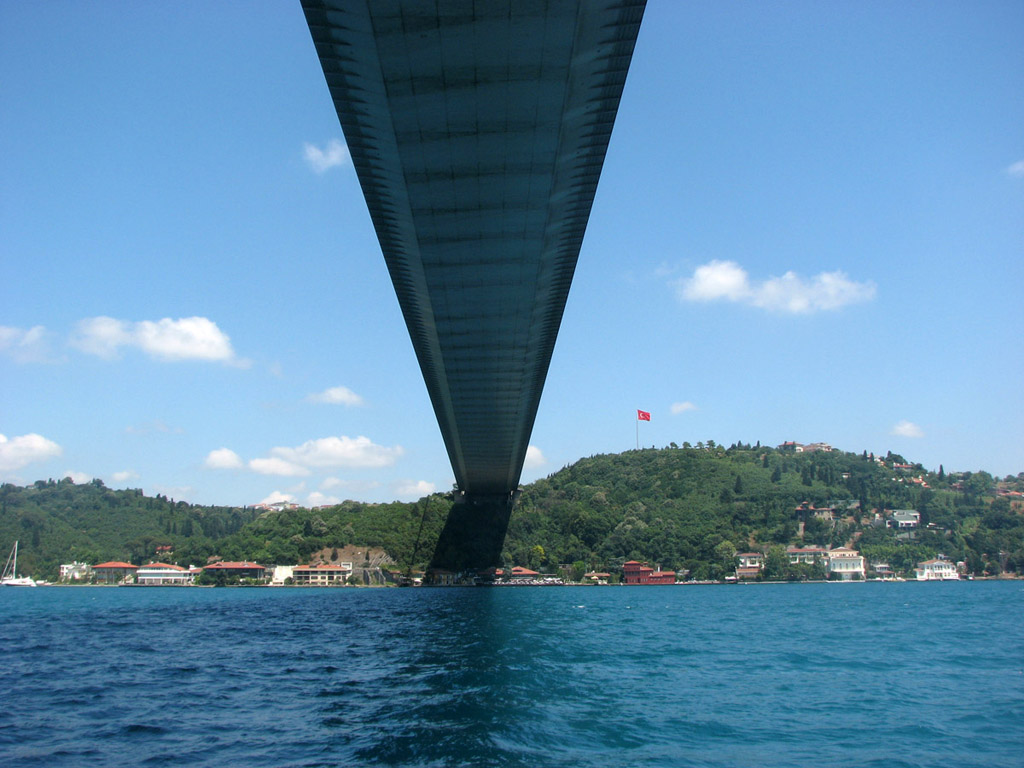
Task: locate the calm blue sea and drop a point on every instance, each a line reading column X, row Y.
column 893, row 674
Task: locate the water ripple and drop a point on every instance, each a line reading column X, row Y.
column 893, row 675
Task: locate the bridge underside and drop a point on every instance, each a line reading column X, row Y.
column 478, row 130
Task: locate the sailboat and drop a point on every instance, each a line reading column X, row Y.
column 10, row 577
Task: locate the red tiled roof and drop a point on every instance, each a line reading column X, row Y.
column 520, row 571
column 114, row 564
column 233, row 566
column 163, row 565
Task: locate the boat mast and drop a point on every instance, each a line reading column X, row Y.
column 8, row 571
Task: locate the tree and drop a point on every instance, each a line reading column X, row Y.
column 776, row 562
column 725, row 557
column 537, row 556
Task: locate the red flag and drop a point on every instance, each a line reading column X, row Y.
column 643, row 416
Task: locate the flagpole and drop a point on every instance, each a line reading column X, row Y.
column 638, row 432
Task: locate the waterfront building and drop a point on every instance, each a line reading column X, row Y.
column 846, row 563
column 114, row 572
column 807, row 555
column 749, row 565
column 238, row 570
column 751, row 560
column 939, row 569
column 519, row 572
column 164, row 575
column 882, row 569
column 75, row 571
column 321, row 575
column 634, row 572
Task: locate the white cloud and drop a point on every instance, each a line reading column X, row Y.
column 277, row 496
column 728, row 281
column 223, row 458
column 683, row 407
column 277, row 466
column 31, row 346
column 1016, row 169
column 327, row 452
column 188, row 338
column 336, row 396
column 341, row 451
column 123, row 476
column 317, row 499
column 907, row 429
column 335, row 153
column 414, row 489
column 716, row 280
column 534, row 458
column 78, row 478
column 18, row 452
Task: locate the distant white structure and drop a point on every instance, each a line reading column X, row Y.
column 321, row 575
column 163, row 575
column 938, row 569
column 281, row 574
column 75, row 571
column 905, row 518
column 846, row 563
column 277, row 506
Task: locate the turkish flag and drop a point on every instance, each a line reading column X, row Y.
column 643, row 416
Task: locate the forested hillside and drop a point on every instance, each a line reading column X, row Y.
column 58, row 522
column 685, row 508
column 693, row 507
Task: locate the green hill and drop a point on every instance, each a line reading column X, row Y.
column 685, row 508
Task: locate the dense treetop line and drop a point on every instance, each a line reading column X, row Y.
column 684, row 508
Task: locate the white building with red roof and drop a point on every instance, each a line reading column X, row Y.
column 321, row 575
column 114, row 572
column 164, row 575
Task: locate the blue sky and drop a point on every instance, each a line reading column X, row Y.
column 810, row 227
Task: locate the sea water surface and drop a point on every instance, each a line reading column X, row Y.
column 864, row 674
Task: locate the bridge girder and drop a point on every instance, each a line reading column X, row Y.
column 478, row 130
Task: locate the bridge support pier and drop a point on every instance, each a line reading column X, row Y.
column 473, row 535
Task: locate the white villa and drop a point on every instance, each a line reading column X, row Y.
column 938, row 569
column 322, row 575
column 846, row 563
column 75, row 571
column 163, row 574
column 808, row 555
